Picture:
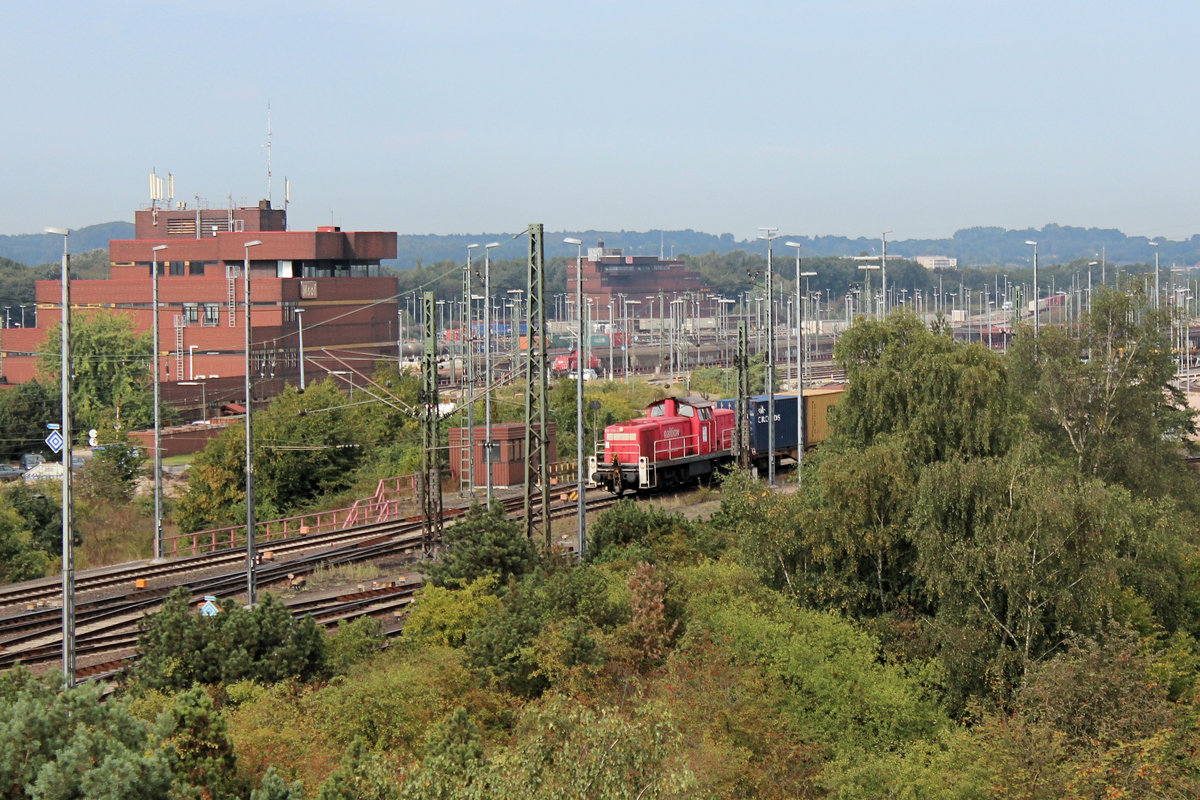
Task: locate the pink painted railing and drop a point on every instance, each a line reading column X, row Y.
column 382, row 506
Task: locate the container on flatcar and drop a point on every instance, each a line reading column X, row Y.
column 785, row 421
column 818, row 401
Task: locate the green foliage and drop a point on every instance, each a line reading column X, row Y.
column 1020, row 549
column 362, row 775
column 20, row 557
column 58, row 745
column 274, row 787
column 40, row 506
column 825, row 672
column 178, row 647
column 632, row 531
column 111, row 386
column 352, row 642
column 443, row 617
column 198, row 747
column 24, row 411
column 307, row 445
column 453, row 757
column 938, row 397
column 549, row 624
column 112, row 471
column 483, row 542
column 1107, row 402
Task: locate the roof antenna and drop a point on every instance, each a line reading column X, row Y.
column 268, row 154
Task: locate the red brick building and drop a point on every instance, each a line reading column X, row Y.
column 328, row 278
column 648, row 280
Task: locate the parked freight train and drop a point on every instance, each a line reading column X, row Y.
column 679, row 441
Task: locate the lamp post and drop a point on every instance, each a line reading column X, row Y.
column 1089, row 291
column 770, row 234
column 68, row 552
column 158, row 531
column 1156, row 290
column 580, row 365
column 883, row 271
column 300, row 342
column 469, row 372
column 1036, row 309
column 628, row 337
column 868, row 302
column 487, row 365
column 250, row 554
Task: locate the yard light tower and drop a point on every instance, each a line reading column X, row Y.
column 158, row 527
column 68, row 550
column 487, row 366
column 770, row 235
column 250, row 554
column 580, row 365
column 1036, row 305
column 1156, row 290
column 883, row 270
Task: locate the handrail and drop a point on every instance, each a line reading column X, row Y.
column 382, row 506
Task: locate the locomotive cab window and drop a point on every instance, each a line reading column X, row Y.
column 659, row 410
column 687, row 411
column 705, row 413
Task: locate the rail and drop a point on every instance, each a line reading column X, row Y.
column 382, row 506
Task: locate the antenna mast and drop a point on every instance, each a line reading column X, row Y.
column 268, row 153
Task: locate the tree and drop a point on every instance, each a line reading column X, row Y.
column 201, row 753
column 111, row 381
column 112, row 470
column 632, row 530
column 305, row 445
column 178, row 647
column 61, row 745
column 1019, row 548
column 274, row 787
column 362, row 775
column 484, row 542
column 940, row 398
column 24, row 411
column 20, row 558
column 1107, row 401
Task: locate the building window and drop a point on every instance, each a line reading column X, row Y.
column 191, row 314
column 289, row 312
column 212, row 314
column 175, row 267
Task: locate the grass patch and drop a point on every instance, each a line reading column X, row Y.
column 324, row 577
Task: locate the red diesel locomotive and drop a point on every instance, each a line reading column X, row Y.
column 676, row 442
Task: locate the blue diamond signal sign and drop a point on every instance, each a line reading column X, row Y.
column 55, row 441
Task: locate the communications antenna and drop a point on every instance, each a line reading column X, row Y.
column 268, row 154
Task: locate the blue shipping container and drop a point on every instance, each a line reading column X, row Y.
column 785, row 421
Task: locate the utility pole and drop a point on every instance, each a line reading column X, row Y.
column 429, row 487
column 741, row 431
column 770, row 234
column 537, row 455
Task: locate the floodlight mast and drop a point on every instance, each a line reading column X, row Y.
column 68, row 544
column 580, row 365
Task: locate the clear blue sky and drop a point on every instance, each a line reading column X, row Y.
column 820, row 117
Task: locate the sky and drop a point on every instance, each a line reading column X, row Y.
column 819, row 117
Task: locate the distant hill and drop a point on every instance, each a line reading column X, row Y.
column 34, row 249
column 971, row 246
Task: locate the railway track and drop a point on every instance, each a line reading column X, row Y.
column 107, row 613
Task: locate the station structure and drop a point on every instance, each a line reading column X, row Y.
column 327, row 280
column 645, row 282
